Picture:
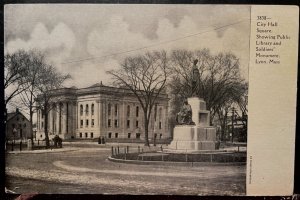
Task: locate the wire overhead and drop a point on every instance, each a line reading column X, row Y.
column 153, row 45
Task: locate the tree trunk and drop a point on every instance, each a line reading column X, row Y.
column 31, row 131
column 146, row 130
column 46, row 126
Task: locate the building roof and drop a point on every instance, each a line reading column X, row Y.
column 10, row 115
column 13, row 114
column 98, row 88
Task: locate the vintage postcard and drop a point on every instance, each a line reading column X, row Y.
column 150, row 99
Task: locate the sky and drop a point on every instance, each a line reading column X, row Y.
column 87, row 40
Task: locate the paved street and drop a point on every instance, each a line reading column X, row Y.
column 87, row 170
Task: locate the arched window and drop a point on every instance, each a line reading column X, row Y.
column 128, row 111
column 109, row 109
column 81, row 109
column 92, row 109
column 137, row 111
column 86, row 109
column 116, row 109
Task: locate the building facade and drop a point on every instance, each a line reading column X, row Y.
column 100, row 110
column 17, row 126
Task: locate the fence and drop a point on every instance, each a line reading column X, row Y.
column 19, row 145
column 157, row 154
column 138, row 141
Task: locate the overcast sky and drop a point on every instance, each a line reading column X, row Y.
column 78, row 38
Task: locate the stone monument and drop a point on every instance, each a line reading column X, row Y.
column 193, row 131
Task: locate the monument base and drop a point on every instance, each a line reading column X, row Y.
column 193, row 138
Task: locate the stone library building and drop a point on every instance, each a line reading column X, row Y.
column 102, row 111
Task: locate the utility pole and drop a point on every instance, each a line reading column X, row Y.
column 232, row 127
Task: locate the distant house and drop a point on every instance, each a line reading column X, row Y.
column 17, row 126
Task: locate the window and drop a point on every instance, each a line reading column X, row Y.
column 116, row 109
column 24, row 125
column 23, row 118
column 128, row 123
column 155, row 135
column 159, row 113
column 81, row 123
column 116, row 123
column 93, row 122
column 92, row 135
column 138, row 136
column 80, row 135
column 92, row 109
column 109, row 109
column 109, row 123
column 155, row 112
column 81, row 110
column 86, row 109
column 129, row 135
column 109, row 135
column 116, row 135
column 86, row 135
column 160, row 136
column 159, row 125
column 87, row 122
column 137, row 111
column 137, row 124
column 17, row 118
column 128, row 111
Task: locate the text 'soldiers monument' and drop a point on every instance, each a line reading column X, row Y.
column 193, row 131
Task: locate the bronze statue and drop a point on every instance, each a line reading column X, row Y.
column 195, row 79
column 185, row 115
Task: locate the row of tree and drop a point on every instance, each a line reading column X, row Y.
column 27, row 76
column 220, row 82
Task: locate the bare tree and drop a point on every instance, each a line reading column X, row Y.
column 145, row 76
column 14, row 66
column 50, row 80
column 30, row 80
column 220, row 81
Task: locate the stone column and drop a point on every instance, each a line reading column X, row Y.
column 50, row 119
column 38, row 119
column 57, row 118
column 73, row 118
column 67, row 117
column 123, row 119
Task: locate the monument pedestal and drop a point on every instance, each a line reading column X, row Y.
column 196, row 137
column 191, row 137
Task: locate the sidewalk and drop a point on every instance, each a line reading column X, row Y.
column 43, row 150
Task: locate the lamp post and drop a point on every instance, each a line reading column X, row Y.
column 232, row 126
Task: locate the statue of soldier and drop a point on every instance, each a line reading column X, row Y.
column 185, row 114
column 195, row 79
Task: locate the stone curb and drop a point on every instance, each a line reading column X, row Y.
column 175, row 163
